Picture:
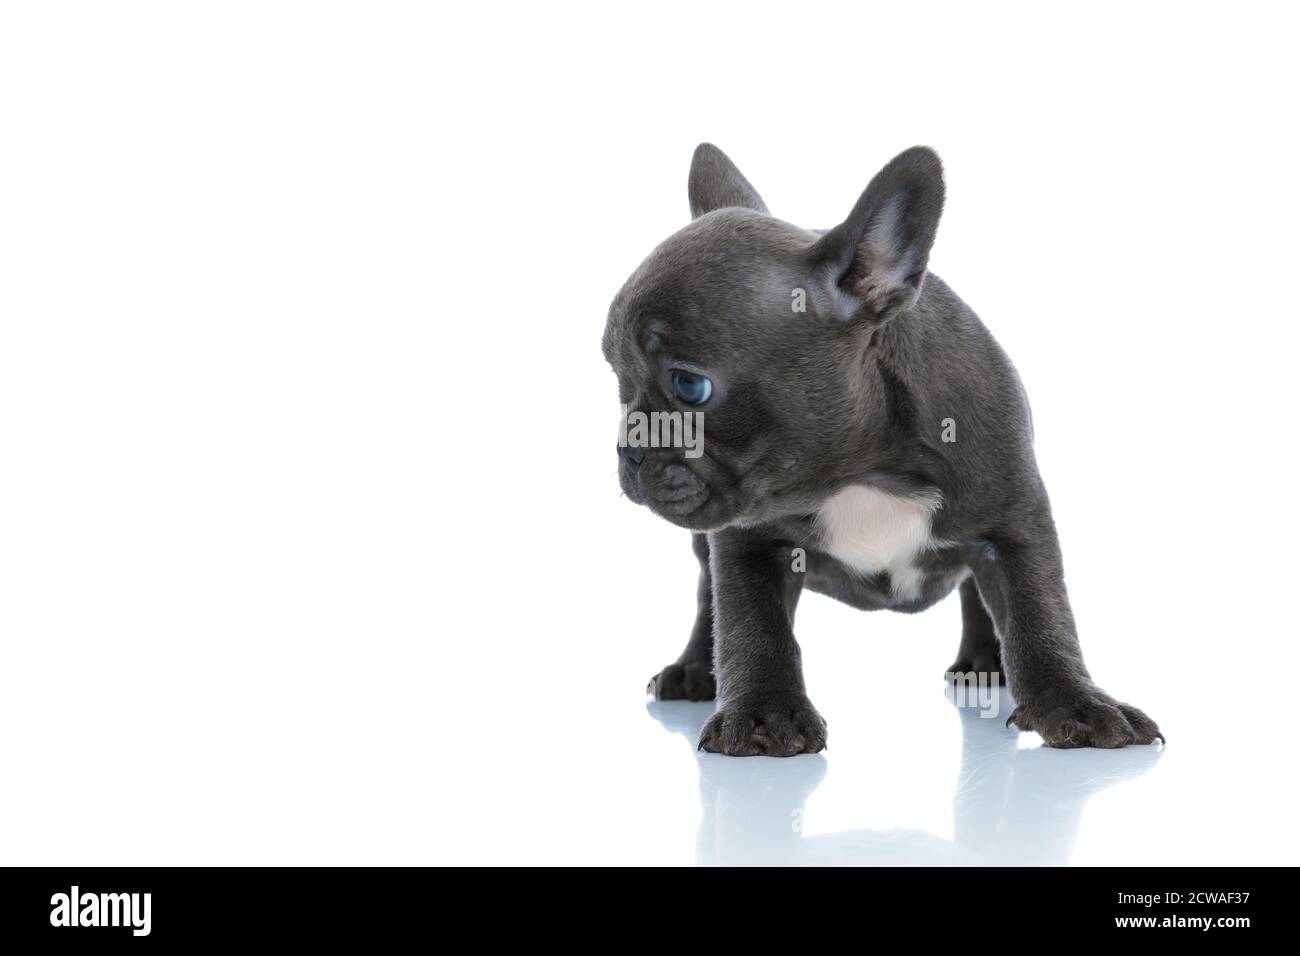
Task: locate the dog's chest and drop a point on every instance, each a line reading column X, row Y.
column 872, row 531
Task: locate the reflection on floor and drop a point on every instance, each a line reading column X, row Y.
column 1013, row 806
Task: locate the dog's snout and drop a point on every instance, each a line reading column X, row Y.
column 633, row 455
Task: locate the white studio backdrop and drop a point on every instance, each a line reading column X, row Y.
column 311, row 544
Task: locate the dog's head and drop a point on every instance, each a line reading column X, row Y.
column 740, row 343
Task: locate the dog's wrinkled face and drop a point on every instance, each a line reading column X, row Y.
column 755, row 329
column 705, row 328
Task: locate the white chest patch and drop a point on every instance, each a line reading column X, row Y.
column 871, row 531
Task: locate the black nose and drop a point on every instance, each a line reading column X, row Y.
column 632, row 454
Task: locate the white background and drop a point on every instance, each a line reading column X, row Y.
column 311, row 545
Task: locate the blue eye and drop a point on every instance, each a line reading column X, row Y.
column 691, row 388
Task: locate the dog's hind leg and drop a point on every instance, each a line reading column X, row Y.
column 691, row 677
column 979, row 651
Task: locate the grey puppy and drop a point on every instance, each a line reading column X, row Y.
column 825, row 463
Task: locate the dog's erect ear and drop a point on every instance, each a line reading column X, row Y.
column 875, row 260
column 716, row 183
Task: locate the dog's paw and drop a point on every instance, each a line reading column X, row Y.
column 1085, row 718
column 980, row 663
column 691, row 681
column 779, row 727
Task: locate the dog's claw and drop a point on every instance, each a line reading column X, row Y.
column 1088, row 719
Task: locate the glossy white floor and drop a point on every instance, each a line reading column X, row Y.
column 998, row 803
column 528, row 742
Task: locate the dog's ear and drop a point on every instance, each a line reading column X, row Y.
column 875, row 260
column 716, row 183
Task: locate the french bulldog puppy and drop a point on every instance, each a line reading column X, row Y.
column 875, row 447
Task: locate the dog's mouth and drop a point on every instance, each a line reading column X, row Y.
column 674, row 492
column 680, row 507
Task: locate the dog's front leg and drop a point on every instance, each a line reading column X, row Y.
column 1022, row 583
column 762, row 706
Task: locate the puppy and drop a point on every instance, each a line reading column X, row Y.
column 864, row 437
